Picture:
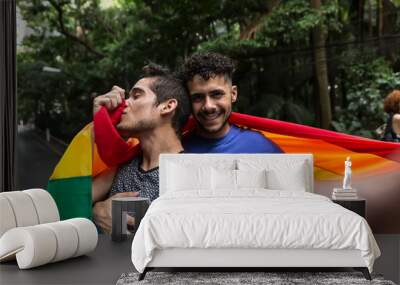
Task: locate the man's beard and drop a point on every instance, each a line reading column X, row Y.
column 127, row 131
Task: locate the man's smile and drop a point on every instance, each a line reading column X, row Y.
column 210, row 117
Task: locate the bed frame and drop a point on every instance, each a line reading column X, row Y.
column 246, row 259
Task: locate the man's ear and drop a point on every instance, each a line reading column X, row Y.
column 234, row 93
column 168, row 106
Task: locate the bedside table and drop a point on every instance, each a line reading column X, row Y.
column 357, row 205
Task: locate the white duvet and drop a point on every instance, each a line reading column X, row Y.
column 252, row 218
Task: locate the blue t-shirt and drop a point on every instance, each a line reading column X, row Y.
column 237, row 140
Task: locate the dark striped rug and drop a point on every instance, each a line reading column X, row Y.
column 233, row 278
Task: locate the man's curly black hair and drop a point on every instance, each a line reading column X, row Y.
column 207, row 65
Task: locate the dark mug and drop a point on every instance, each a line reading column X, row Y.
column 135, row 207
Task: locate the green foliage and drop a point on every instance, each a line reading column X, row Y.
column 292, row 22
column 97, row 48
column 289, row 24
column 369, row 80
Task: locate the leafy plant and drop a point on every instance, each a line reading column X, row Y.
column 369, row 80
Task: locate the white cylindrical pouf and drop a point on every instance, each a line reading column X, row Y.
column 34, row 246
column 45, row 205
column 40, row 244
column 23, row 208
column 7, row 217
column 67, row 239
column 87, row 235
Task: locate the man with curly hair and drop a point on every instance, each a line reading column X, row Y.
column 208, row 78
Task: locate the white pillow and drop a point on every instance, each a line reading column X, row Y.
column 251, row 178
column 282, row 174
column 295, row 180
column 182, row 177
column 226, row 179
column 223, row 179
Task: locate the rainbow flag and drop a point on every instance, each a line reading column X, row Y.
column 375, row 167
column 71, row 181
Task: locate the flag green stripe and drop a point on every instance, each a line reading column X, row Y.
column 73, row 196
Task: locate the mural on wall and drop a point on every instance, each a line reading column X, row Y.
column 375, row 167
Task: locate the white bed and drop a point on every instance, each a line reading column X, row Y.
column 242, row 210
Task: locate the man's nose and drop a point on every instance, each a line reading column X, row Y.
column 209, row 104
column 128, row 101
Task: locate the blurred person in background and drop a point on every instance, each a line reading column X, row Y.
column 391, row 105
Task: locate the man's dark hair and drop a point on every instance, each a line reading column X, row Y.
column 206, row 65
column 166, row 86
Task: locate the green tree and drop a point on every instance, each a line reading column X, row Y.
column 282, row 48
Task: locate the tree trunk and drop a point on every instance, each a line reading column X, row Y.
column 370, row 24
column 356, row 13
column 389, row 46
column 379, row 18
column 361, row 19
column 321, row 70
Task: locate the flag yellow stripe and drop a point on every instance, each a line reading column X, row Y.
column 77, row 159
